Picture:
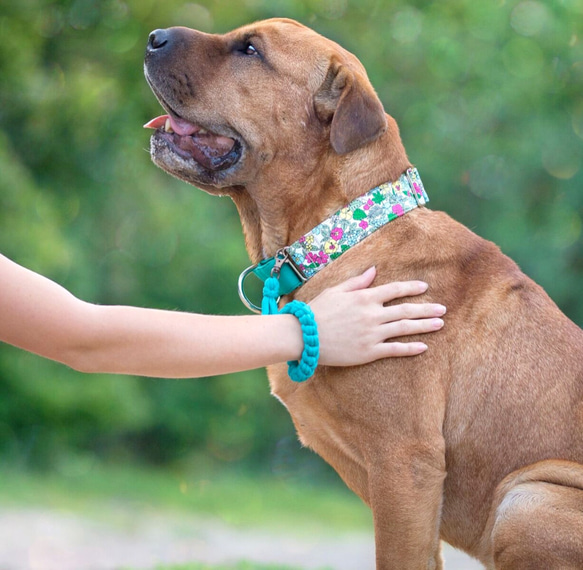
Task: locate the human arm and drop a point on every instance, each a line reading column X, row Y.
column 40, row 316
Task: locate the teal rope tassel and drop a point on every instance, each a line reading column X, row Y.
column 301, row 370
column 270, row 296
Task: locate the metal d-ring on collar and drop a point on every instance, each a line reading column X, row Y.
column 241, row 288
column 281, row 266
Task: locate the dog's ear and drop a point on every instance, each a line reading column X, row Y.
column 348, row 99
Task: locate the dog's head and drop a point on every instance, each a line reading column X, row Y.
column 265, row 94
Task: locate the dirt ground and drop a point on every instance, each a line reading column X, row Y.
column 43, row 539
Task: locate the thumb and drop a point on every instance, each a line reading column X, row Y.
column 361, row 281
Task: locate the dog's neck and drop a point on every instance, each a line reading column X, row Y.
column 296, row 204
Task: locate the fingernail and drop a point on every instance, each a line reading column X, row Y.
column 441, row 309
column 437, row 323
column 423, row 286
column 422, row 347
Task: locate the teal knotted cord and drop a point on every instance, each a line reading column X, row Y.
column 270, row 296
column 301, row 370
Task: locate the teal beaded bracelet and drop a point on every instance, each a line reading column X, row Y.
column 301, row 370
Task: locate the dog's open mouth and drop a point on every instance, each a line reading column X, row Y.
column 213, row 152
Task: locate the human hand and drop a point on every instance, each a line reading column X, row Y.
column 354, row 324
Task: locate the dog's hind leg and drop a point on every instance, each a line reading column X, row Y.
column 537, row 521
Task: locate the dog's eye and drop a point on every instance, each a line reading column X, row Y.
column 250, row 49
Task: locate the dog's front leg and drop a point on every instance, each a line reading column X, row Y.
column 405, row 492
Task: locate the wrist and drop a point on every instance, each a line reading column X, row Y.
column 290, row 332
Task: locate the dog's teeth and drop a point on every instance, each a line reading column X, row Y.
column 202, row 132
column 168, row 126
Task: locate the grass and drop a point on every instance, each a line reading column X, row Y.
column 239, row 499
column 239, row 566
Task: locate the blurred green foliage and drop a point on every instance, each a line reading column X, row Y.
column 489, row 99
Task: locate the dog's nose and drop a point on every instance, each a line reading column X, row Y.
column 158, row 39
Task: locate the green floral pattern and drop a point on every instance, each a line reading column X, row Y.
column 350, row 225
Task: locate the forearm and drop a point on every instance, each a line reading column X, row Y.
column 149, row 342
column 40, row 316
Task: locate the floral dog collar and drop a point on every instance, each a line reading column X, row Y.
column 316, row 249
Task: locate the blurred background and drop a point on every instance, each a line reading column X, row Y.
column 489, row 98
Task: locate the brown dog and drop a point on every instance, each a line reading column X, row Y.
column 479, row 441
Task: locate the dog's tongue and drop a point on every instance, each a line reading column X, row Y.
column 210, row 150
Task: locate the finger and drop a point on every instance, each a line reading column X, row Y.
column 361, row 281
column 398, row 289
column 413, row 311
column 396, row 349
column 406, row 327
